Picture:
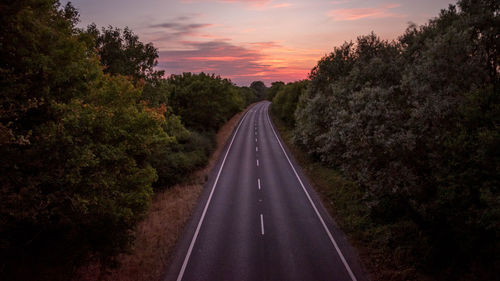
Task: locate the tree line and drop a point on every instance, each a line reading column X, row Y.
column 415, row 123
column 89, row 129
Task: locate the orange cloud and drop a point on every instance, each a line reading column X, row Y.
column 257, row 3
column 265, row 61
column 280, row 5
column 364, row 13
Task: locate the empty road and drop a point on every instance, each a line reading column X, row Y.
column 258, row 218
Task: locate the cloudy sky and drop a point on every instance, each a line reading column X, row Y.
column 249, row 40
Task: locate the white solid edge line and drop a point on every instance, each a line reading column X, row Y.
column 351, row 274
column 262, row 224
column 190, row 249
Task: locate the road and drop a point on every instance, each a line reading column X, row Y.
column 259, row 219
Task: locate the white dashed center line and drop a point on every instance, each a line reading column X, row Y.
column 261, row 224
column 257, row 162
column 258, row 183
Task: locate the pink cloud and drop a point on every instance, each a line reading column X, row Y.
column 364, row 13
column 281, row 5
column 268, row 44
column 241, row 64
column 189, row 51
column 258, row 3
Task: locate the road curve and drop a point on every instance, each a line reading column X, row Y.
column 259, row 219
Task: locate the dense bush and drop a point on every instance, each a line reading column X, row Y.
column 415, row 123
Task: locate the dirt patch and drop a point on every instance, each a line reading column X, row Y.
column 157, row 234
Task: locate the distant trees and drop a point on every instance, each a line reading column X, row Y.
column 204, row 102
column 260, row 89
column 415, row 123
column 248, row 95
column 273, row 90
column 198, row 105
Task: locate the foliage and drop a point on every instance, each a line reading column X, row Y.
column 248, row 94
column 204, row 102
column 260, row 89
column 415, row 124
column 286, row 99
column 273, row 90
column 121, row 52
column 75, row 143
column 188, row 151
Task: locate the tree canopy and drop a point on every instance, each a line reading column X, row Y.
column 121, row 52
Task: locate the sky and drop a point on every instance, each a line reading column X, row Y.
column 251, row 40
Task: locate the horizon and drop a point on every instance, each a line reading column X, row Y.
column 253, row 40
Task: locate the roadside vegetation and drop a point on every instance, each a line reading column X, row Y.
column 89, row 130
column 403, row 138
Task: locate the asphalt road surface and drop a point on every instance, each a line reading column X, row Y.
column 259, row 219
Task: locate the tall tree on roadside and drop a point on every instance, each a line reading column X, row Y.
column 121, row 52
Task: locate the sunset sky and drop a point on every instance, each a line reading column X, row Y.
column 249, row 40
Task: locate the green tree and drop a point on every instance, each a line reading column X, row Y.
column 248, row 95
column 75, row 143
column 286, row 100
column 273, row 90
column 260, row 89
column 204, row 102
column 121, row 52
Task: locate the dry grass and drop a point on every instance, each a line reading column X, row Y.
column 158, row 233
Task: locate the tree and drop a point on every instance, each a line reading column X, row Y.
column 248, row 95
column 275, row 87
column 286, row 100
column 260, row 89
column 204, row 102
column 122, row 53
